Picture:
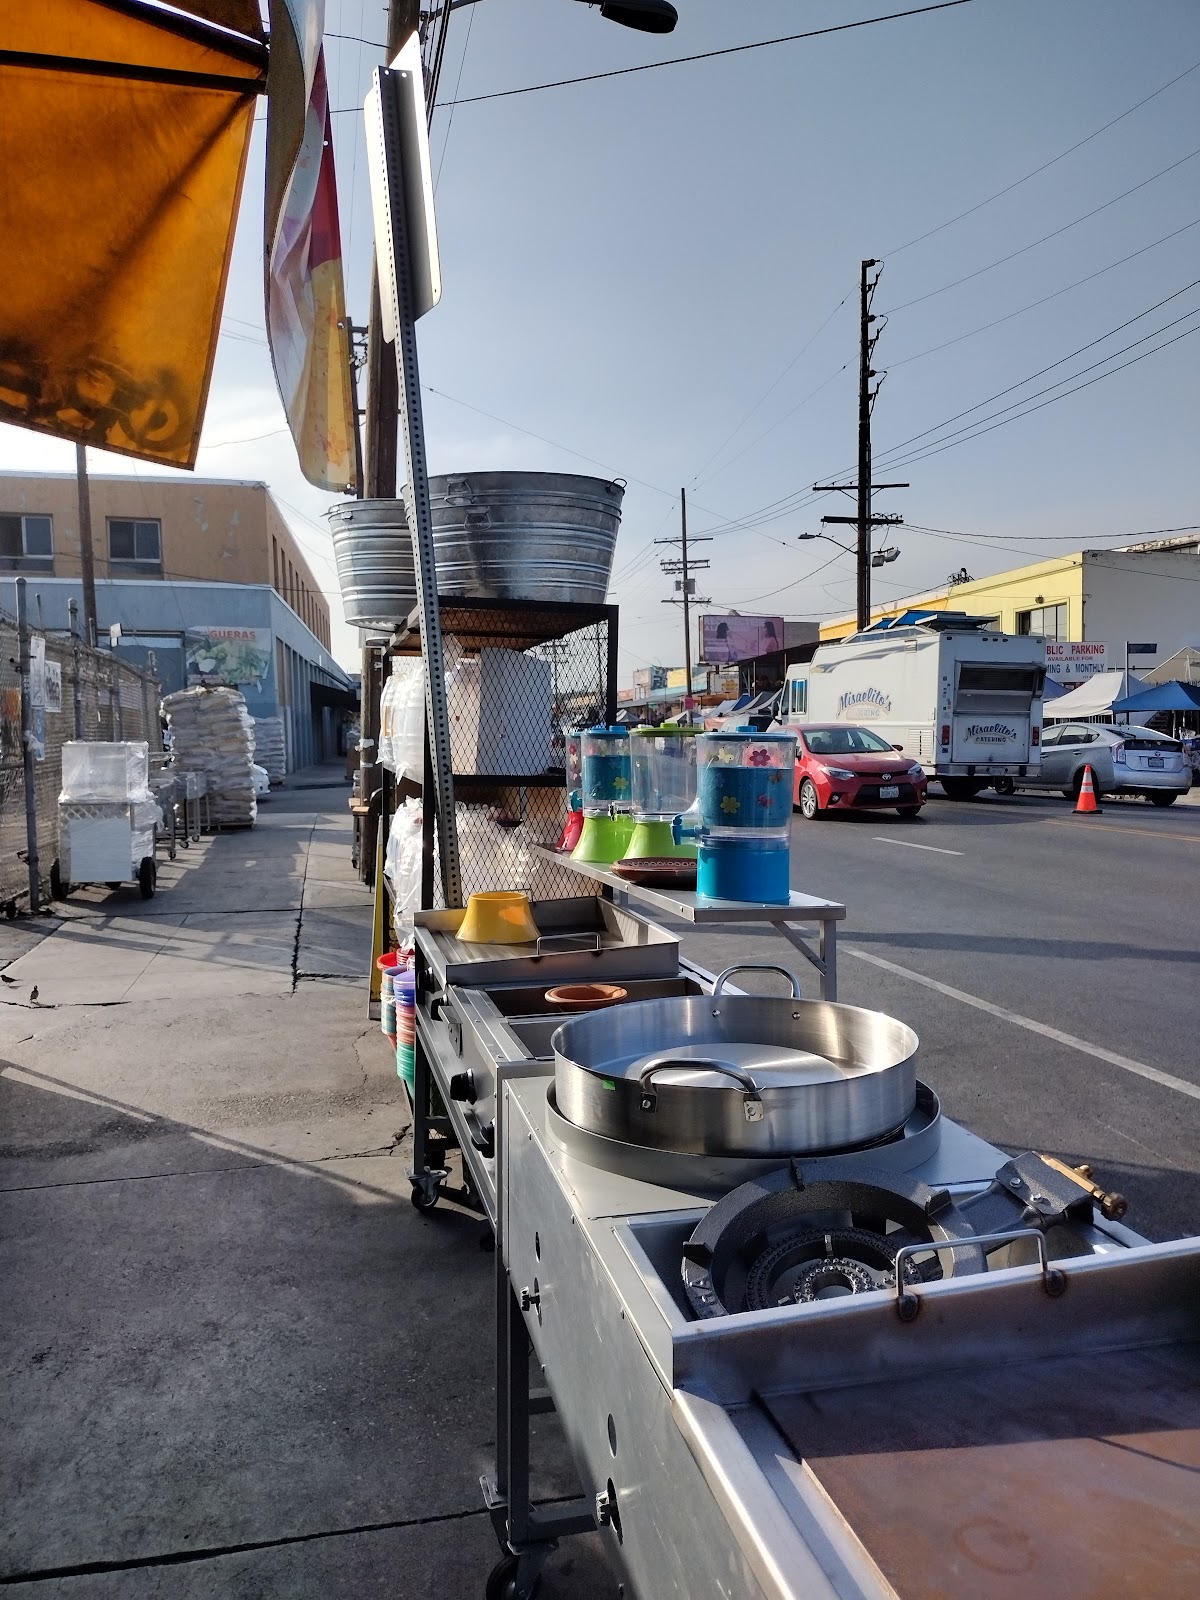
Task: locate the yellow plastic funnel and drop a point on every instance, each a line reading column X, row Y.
column 500, row 917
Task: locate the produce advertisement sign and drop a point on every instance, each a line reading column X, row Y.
column 232, row 656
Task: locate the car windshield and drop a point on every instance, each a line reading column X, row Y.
column 845, row 742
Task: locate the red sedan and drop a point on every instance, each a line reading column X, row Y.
column 841, row 768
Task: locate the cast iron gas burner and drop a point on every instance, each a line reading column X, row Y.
column 823, row 1264
column 830, row 1229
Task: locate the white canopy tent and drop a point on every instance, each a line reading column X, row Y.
column 1095, row 698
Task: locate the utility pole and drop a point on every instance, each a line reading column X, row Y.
column 87, row 560
column 686, row 585
column 863, row 519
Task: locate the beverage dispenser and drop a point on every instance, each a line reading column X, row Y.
column 664, row 784
column 607, row 796
column 573, row 826
column 744, row 798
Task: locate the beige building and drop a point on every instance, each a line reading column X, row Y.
column 205, row 530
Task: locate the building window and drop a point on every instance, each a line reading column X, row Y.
column 137, row 543
column 1049, row 621
column 26, row 543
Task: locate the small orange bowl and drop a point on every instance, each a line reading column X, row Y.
column 586, row 996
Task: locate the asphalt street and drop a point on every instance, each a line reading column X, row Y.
column 1049, row 964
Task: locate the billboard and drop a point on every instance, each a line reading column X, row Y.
column 233, row 656
column 734, row 638
column 1070, row 661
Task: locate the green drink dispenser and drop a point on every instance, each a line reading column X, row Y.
column 607, row 796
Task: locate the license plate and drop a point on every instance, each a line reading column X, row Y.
column 890, row 791
column 1155, row 761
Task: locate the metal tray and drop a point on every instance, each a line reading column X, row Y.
column 584, row 938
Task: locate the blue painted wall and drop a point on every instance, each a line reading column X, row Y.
column 154, row 614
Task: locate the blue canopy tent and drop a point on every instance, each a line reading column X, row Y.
column 1177, row 696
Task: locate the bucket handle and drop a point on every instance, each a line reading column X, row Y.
column 477, row 517
column 757, row 966
column 457, row 488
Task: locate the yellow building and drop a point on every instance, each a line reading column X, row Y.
column 1144, row 592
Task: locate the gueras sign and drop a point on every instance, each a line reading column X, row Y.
column 854, row 701
column 1072, row 661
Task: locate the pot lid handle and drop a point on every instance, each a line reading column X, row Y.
column 757, row 966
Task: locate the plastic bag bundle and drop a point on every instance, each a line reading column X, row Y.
column 213, row 733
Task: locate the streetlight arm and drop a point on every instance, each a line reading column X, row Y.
column 844, row 548
column 645, row 16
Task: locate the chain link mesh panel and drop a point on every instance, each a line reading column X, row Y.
column 116, row 701
column 520, row 674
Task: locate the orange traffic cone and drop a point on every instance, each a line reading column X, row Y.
column 1086, row 805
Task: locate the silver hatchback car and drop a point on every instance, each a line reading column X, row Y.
column 1124, row 760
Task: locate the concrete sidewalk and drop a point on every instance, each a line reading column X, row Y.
column 239, row 1362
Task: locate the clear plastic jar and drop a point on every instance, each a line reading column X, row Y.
column 744, row 783
column 664, row 771
column 607, row 785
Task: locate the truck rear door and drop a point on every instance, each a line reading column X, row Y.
column 991, row 716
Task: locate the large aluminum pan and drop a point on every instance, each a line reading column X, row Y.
column 737, row 1074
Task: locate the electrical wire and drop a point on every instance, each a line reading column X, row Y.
column 1016, row 184
column 988, row 425
column 1059, row 538
column 803, row 349
column 462, row 61
column 1033, row 304
column 1053, row 234
column 885, row 455
column 709, row 55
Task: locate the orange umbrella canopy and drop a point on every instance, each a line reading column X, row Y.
column 124, row 131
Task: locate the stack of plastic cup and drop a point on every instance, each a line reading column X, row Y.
column 405, row 988
column 388, row 964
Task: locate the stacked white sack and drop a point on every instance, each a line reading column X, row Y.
column 212, row 733
column 269, row 749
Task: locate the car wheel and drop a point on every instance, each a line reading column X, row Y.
column 959, row 788
column 810, row 804
column 1162, row 797
column 908, row 812
column 1004, row 786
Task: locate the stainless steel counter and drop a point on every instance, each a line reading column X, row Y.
column 802, row 910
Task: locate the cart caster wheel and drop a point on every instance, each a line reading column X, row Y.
column 147, row 878
column 502, row 1581
column 424, row 1199
column 59, row 888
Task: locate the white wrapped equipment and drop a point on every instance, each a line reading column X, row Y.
column 105, row 771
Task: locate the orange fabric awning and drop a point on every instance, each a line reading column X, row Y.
column 123, row 139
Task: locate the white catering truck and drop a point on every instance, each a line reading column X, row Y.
column 948, row 688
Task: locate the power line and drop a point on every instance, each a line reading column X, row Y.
column 768, row 393
column 1025, row 248
column 1060, row 538
column 1016, row 184
column 991, row 424
column 1041, row 372
column 709, row 55
column 1033, row 304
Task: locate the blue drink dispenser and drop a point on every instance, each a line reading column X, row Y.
column 744, row 798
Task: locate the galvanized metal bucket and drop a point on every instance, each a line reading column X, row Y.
column 374, row 554
column 525, row 535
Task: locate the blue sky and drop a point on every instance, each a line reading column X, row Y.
column 659, row 273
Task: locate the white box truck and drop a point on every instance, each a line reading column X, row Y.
column 947, row 688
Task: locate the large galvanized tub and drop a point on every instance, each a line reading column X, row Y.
column 525, row 535
column 374, row 554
